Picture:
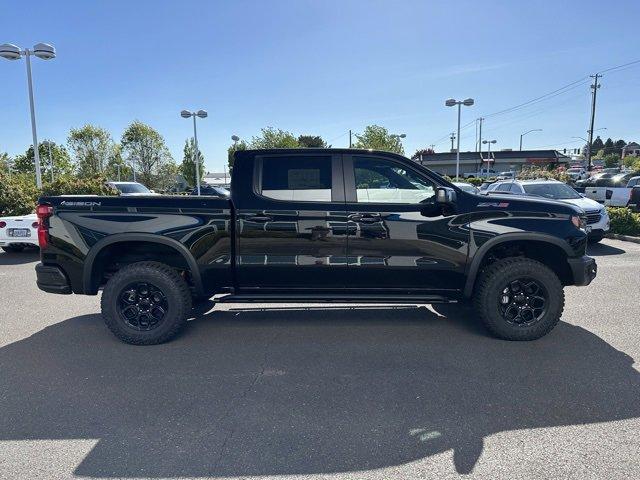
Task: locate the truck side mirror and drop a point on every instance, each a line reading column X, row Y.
column 445, row 196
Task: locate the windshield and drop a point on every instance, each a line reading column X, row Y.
column 132, row 188
column 557, row 191
column 574, row 170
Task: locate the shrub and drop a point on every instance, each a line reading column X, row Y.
column 70, row 185
column 18, row 192
column 535, row 173
column 475, row 181
column 624, row 221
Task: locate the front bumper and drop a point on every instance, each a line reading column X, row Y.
column 584, row 270
column 52, row 279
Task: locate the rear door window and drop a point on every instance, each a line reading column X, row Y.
column 297, row 178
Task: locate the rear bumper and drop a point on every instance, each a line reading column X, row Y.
column 584, row 270
column 51, row 279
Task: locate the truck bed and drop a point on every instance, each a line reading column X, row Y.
column 82, row 226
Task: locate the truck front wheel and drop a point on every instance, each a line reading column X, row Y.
column 146, row 303
column 519, row 299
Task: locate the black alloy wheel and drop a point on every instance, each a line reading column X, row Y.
column 523, row 302
column 142, row 306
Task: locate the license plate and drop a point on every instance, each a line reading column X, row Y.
column 588, row 228
column 19, row 232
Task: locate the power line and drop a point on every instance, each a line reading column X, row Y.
column 619, row 67
column 547, row 96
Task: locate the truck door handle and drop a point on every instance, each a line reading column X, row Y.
column 259, row 218
column 364, row 217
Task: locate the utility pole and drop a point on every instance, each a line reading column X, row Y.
column 595, row 86
column 480, row 136
column 349, row 138
column 452, row 137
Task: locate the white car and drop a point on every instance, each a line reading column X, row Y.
column 577, row 173
column 597, row 217
column 131, row 188
column 18, row 233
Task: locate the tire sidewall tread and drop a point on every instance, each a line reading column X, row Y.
column 172, row 285
column 492, row 280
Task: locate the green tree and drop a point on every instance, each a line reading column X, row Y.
column 25, row 163
column 631, row 161
column 92, row 148
column 378, row 138
column 237, row 146
column 6, row 163
column 188, row 166
column 274, row 138
column 608, row 146
column 117, row 169
column 619, row 146
column 311, row 141
column 611, row 160
column 597, row 145
column 144, row 149
column 424, row 151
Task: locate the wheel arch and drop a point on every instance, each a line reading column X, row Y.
column 91, row 284
column 504, row 240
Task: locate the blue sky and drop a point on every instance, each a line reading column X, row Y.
column 322, row 67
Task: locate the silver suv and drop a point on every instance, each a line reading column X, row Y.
column 597, row 216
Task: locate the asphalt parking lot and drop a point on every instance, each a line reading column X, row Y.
column 322, row 392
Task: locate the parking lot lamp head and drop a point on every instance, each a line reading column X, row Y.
column 44, row 51
column 202, row 113
column 185, row 114
column 10, row 51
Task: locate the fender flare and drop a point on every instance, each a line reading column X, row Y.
column 474, row 266
column 89, row 260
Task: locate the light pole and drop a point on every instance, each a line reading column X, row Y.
column 45, row 52
column 50, row 158
column 450, row 103
column 523, row 134
column 200, row 114
column 488, row 143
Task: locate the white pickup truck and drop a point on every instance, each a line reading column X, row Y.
column 482, row 173
column 613, row 196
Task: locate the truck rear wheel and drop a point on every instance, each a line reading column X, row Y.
column 519, row 299
column 146, row 303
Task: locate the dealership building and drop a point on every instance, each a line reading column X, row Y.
column 504, row 160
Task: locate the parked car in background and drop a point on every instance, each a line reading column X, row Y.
column 211, row 190
column 577, row 173
column 597, row 218
column 18, row 233
column 467, row 187
column 615, row 193
column 634, row 195
column 591, row 181
column 506, row 175
column 485, row 185
column 131, row 188
column 482, row 173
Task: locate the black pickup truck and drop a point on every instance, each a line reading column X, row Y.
column 316, row 225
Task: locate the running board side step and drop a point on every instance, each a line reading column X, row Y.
column 336, row 298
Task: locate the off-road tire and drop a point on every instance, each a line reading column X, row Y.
column 489, row 287
column 172, row 285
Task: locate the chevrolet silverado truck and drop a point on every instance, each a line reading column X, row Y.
column 315, row 225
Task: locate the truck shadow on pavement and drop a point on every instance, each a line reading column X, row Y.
column 304, row 391
column 19, row 258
